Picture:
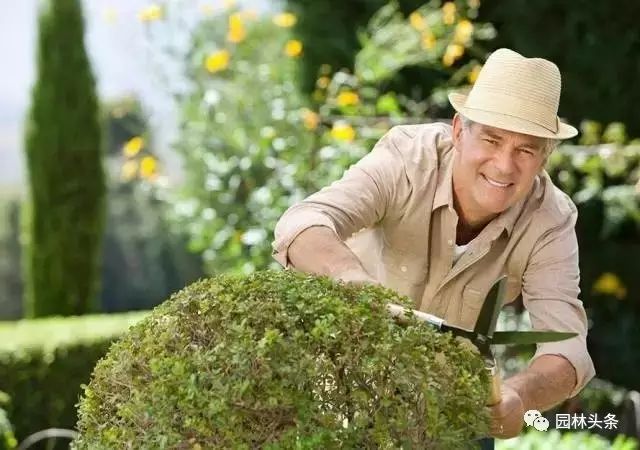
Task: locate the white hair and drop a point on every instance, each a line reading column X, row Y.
column 549, row 144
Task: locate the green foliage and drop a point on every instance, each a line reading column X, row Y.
column 10, row 257
column 63, row 221
column 7, row 439
column 280, row 359
column 145, row 259
column 589, row 40
column 43, row 363
column 602, row 176
column 554, row 440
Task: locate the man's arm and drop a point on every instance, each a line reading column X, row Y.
column 331, row 256
column 310, row 235
column 547, row 382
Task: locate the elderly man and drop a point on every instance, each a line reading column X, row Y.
column 439, row 212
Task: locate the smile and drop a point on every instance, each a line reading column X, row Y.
column 496, row 183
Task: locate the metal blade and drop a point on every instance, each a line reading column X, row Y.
column 486, row 323
column 529, row 337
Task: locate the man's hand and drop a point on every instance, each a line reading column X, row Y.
column 507, row 417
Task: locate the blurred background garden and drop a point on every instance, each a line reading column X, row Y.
column 146, row 145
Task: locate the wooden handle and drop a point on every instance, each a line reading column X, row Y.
column 495, row 395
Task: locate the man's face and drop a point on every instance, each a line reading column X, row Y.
column 494, row 168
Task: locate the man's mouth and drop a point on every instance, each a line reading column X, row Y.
column 496, row 183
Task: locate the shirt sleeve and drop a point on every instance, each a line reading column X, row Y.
column 358, row 200
column 550, row 294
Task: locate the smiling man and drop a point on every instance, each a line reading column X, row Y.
column 439, row 212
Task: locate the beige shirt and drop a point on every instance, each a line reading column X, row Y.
column 394, row 208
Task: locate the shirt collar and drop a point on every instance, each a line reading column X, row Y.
column 444, row 187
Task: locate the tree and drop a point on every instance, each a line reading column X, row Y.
column 64, row 218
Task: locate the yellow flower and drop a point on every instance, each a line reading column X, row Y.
column 310, row 119
column 609, row 284
column 348, row 98
column 472, row 76
column 293, row 48
column 217, row 61
column 452, row 54
column 148, row 167
column 133, row 146
column 129, row 170
column 464, row 30
column 449, row 13
column 417, row 21
column 150, row 13
column 428, row 41
column 236, row 33
column 474, row 4
column 285, row 20
column 323, row 82
column 343, row 132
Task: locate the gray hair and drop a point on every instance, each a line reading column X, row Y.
column 549, row 144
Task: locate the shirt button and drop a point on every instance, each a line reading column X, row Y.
column 403, row 268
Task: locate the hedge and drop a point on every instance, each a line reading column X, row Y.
column 44, row 362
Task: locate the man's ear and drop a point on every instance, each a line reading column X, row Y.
column 457, row 129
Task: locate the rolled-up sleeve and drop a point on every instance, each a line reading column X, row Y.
column 550, row 295
column 358, row 200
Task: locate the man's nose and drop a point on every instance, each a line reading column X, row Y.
column 503, row 161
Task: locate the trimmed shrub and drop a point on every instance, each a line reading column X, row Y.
column 64, row 219
column 43, row 363
column 280, row 359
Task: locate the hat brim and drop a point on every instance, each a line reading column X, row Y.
column 507, row 122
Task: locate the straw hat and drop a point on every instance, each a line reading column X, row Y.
column 516, row 94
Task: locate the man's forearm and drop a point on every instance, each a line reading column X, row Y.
column 547, row 382
column 318, row 250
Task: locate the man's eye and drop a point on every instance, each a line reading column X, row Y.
column 527, row 152
column 490, row 141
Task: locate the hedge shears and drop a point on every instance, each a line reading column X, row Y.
column 483, row 336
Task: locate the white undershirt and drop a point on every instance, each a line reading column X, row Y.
column 458, row 250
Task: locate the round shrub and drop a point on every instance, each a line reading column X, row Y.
column 280, row 359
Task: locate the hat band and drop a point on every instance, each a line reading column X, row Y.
column 529, row 110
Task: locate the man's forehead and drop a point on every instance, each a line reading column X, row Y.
column 500, row 133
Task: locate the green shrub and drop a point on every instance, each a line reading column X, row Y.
column 554, row 440
column 144, row 258
column 283, row 360
column 64, row 219
column 43, row 362
column 11, row 290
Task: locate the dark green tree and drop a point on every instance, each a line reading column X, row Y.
column 64, row 218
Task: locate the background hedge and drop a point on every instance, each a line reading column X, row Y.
column 43, row 363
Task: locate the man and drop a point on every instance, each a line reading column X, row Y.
column 439, row 212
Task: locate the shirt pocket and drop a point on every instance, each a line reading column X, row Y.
column 472, row 300
column 405, row 272
column 474, row 296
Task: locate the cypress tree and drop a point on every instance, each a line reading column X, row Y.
column 64, row 218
